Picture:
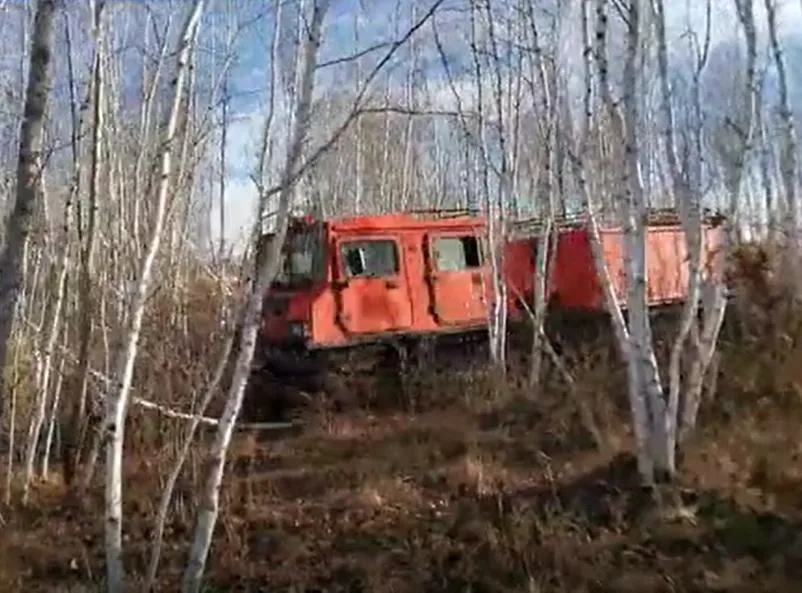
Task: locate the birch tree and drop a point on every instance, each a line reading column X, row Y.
column 117, row 400
column 642, row 363
column 737, row 130
column 54, row 330
column 597, row 52
column 735, row 164
column 76, row 426
column 687, row 188
column 266, row 264
column 266, row 257
column 545, row 80
column 661, row 418
column 789, row 167
column 29, row 176
column 654, row 440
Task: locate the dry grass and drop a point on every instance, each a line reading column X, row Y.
column 487, row 494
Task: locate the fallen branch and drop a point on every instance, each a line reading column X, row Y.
column 171, row 413
column 584, row 411
column 546, row 343
column 401, row 110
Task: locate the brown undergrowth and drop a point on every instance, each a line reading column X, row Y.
column 487, row 491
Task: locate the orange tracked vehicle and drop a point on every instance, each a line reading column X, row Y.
column 355, row 292
column 361, row 292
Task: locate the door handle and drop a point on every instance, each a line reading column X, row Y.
column 391, row 283
column 476, row 278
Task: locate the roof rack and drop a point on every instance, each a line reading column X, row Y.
column 656, row 217
column 442, row 213
column 536, row 225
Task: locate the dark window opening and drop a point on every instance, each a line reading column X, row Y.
column 369, row 259
column 452, row 254
column 302, row 259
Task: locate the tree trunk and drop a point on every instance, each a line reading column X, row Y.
column 29, row 174
column 75, row 426
column 789, row 168
column 117, row 400
column 266, row 267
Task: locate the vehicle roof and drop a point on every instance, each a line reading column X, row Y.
column 403, row 221
column 461, row 219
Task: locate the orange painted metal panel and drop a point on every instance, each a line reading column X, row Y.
column 419, row 296
column 339, row 312
column 575, row 282
column 519, row 268
column 459, row 294
column 374, row 303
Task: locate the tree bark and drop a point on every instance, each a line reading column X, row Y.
column 29, row 171
column 789, row 168
column 117, row 399
column 266, row 267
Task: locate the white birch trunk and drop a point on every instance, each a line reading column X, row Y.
column 502, row 197
column 77, row 415
column 53, row 420
column 40, row 411
column 688, row 193
column 743, row 129
column 631, row 346
column 714, row 301
column 493, row 230
column 22, row 332
column 689, row 200
column 789, row 167
column 547, row 246
column 766, row 180
column 117, row 398
column 266, row 269
column 38, row 417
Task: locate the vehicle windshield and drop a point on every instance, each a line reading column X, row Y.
column 301, row 259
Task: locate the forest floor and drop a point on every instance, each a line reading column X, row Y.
column 492, row 496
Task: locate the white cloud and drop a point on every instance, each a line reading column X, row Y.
column 240, row 204
column 681, row 15
column 244, row 133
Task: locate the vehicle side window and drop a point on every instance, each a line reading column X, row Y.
column 452, row 254
column 369, row 259
column 302, row 258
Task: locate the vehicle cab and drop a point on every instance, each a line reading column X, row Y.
column 302, row 275
column 364, row 278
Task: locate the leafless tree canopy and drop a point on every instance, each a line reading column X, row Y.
column 146, row 146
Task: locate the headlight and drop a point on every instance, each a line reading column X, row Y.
column 297, row 329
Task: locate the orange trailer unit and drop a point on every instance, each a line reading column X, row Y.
column 573, row 283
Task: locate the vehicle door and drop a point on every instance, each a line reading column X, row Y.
column 372, row 291
column 458, row 280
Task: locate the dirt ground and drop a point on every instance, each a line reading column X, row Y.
column 500, row 495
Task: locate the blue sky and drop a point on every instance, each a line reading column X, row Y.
column 340, row 40
column 248, row 75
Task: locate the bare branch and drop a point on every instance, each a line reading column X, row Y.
column 355, row 56
column 354, row 112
